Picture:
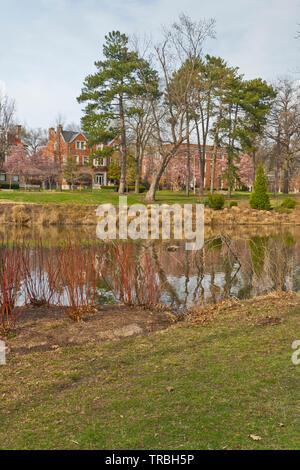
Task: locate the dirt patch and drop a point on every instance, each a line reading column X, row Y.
column 267, row 321
column 48, row 328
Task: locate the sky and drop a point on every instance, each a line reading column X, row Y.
column 48, row 47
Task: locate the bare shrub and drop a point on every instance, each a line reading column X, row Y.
column 132, row 276
column 78, row 279
column 11, row 275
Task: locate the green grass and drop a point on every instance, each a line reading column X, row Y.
column 106, row 196
column 95, row 197
column 230, row 379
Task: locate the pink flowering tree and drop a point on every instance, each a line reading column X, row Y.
column 245, row 170
column 16, row 163
column 30, row 168
column 45, row 170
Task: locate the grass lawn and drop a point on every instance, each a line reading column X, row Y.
column 187, row 387
column 106, row 196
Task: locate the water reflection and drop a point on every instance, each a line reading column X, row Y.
column 239, row 263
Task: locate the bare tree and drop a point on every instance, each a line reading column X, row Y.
column 140, row 129
column 177, row 57
column 35, row 139
column 7, row 113
column 284, row 128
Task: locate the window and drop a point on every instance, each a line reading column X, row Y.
column 80, row 145
column 99, row 179
column 76, row 158
column 2, row 177
column 85, row 160
column 15, row 178
column 100, row 147
column 64, row 158
column 99, row 161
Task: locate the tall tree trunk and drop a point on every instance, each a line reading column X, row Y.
column 123, row 146
column 201, row 183
column 138, row 169
column 286, row 181
column 188, row 176
column 254, row 165
column 150, row 196
column 215, row 149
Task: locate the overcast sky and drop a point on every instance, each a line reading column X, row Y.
column 47, row 47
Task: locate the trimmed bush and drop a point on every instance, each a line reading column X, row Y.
column 259, row 199
column 233, row 204
column 111, row 187
column 132, row 188
column 216, row 201
column 8, row 186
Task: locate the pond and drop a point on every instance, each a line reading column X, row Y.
column 240, row 263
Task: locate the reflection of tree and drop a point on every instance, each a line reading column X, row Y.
column 187, row 276
column 163, row 278
column 214, row 247
column 200, row 265
column 258, row 247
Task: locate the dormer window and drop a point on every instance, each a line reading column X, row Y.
column 80, row 145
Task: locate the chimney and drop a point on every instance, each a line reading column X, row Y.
column 19, row 132
column 51, row 133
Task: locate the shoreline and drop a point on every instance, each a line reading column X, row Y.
column 33, row 214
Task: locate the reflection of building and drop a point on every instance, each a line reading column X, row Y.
column 63, row 144
column 175, row 174
column 13, row 140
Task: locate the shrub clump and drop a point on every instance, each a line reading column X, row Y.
column 259, row 199
column 288, row 203
column 233, row 204
column 216, row 201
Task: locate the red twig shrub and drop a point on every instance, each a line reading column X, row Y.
column 11, row 275
column 132, row 275
column 78, row 276
column 41, row 271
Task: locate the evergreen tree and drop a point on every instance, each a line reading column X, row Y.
column 260, row 198
column 119, row 78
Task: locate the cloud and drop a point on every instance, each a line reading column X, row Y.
column 53, row 44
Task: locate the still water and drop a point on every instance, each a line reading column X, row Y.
column 240, row 263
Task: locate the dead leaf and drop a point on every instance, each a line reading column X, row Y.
column 255, row 438
column 170, row 389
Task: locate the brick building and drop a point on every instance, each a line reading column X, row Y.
column 175, row 174
column 63, row 144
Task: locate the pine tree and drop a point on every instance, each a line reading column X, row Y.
column 260, row 198
column 119, row 78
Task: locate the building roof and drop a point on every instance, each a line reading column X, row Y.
column 69, row 136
